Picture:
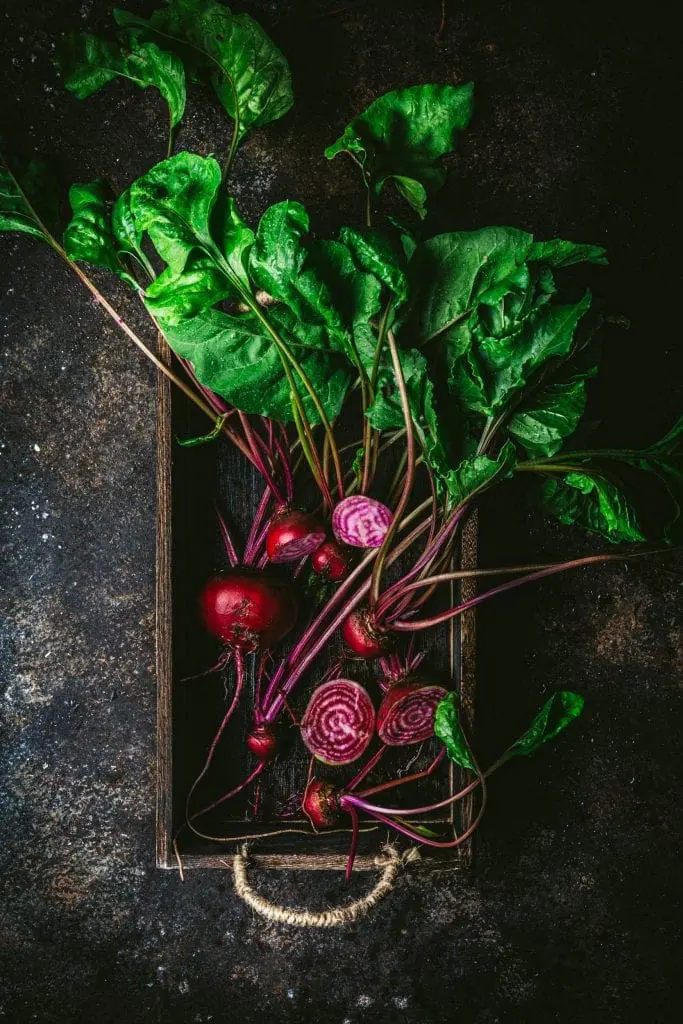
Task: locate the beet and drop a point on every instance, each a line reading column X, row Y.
column 363, row 636
column 361, row 522
column 339, row 722
column 320, row 804
column 248, row 609
column 332, row 561
column 292, row 535
column 262, row 742
column 406, row 714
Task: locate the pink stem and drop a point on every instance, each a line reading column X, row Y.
column 228, row 544
column 251, row 547
column 315, row 648
column 239, row 684
column 415, row 777
column 354, row 841
column 406, row 625
column 231, row 793
column 425, row 559
column 365, row 770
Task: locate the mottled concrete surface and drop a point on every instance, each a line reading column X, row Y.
column 572, row 914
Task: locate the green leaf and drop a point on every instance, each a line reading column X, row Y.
column 386, row 412
column 450, row 274
column 477, row 472
column 22, row 198
column 403, row 135
column 249, row 74
column 318, row 281
column 89, row 62
column 558, row 253
column 127, row 234
column 593, row 502
column 602, row 507
column 555, row 715
column 447, row 728
column 89, row 237
column 374, row 252
column 172, row 297
column 237, row 239
column 235, row 358
column 173, row 204
column 551, row 416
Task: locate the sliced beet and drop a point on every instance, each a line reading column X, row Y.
column 406, row 714
column 339, row 722
column 361, row 522
column 293, row 534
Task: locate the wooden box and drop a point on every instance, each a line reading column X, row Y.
column 189, row 481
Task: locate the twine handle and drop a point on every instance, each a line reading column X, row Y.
column 391, row 863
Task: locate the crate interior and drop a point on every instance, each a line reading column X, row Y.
column 201, row 477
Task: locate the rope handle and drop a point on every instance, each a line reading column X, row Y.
column 391, row 864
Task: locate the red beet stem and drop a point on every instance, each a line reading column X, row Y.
column 428, row 555
column 365, row 770
column 354, row 841
column 415, row 777
column 252, row 546
column 412, row 625
column 313, row 647
column 409, row 477
column 303, row 644
column 228, row 543
column 231, row 792
column 239, row 684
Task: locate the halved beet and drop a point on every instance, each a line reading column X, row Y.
column 361, row 522
column 292, row 535
column 339, row 722
column 406, row 714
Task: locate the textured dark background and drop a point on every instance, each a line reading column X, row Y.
column 572, row 913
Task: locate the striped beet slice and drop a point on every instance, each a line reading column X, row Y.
column 361, row 522
column 406, row 715
column 339, row 722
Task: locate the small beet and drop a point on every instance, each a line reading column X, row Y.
column 320, row 804
column 292, row 535
column 361, row 522
column 339, row 722
column 406, row 714
column 332, row 561
column 262, row 742
column 363, row 636
column 248, row 609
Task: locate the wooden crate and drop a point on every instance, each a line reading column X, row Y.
column 187, row 711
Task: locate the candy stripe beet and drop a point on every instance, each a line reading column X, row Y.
column 339, row 722
column 293, row 534
column 406, row 714
column 361, row 522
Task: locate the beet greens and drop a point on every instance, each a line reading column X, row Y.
column 395, row 377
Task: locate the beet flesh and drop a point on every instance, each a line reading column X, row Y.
column 339, row 722
column 361, row 522
column 248, row 609
column 292, row 535
column 406, row 714
column 362, row 635
column 332, row 561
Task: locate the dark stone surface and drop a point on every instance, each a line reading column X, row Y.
column 572, row 914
